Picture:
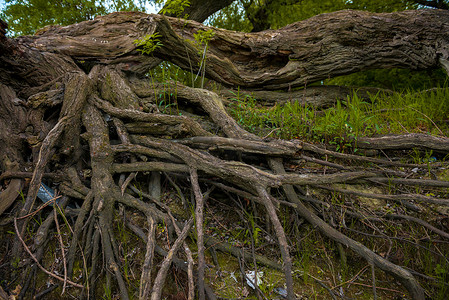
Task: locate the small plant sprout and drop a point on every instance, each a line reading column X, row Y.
column 149, row 43
column 203, row 37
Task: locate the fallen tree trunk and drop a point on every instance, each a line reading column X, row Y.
column 324, row 46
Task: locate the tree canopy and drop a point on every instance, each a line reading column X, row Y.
column 25, row 17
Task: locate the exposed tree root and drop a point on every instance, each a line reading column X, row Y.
column 162, row 274
column 406, row 141
column 145, row 282
column 92, row 230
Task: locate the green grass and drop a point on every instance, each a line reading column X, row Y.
column 343, row 123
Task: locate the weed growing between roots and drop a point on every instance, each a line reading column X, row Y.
column 341, row 124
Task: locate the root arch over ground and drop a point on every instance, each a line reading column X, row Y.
column 87, row 119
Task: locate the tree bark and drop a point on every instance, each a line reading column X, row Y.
column 316, row 96
column 405, row 141
column 324, row 46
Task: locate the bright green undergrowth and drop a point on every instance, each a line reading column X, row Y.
column 343, row 123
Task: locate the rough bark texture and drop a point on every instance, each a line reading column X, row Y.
column 324, row 46
column 85, row 118
column 406, row 141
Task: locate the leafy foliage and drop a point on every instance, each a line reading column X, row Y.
column 174, row 7
column 24, row 17
column 231, row 18
column 203, row 37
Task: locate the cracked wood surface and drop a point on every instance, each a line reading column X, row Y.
column 315, row 49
